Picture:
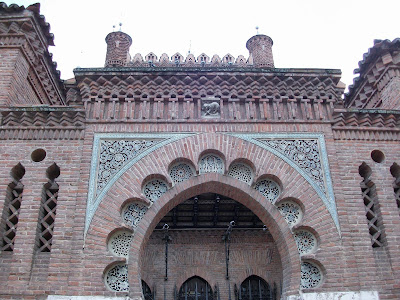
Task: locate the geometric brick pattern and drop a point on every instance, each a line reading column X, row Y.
column 11, row 213
column 47, row 216
column 373, row 216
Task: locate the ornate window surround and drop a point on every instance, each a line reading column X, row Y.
column 259, row 139
column 325, row 193
column 94, row 196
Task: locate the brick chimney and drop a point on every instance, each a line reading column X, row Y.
column 118, row 44
column 260, row 48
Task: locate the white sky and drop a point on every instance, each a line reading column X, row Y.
column 306, row 33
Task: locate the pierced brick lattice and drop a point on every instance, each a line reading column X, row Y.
column 154, row 189
column 211, row 164
column 119, row 243
column 291, row 211
column 372, row 213
column 311, row 275
column 116, row 278
column 241, row 172
column 306, row 241
column 180, row 172
column 12, row 209
column 133, row 213
column 47, row 216
column 269, row 189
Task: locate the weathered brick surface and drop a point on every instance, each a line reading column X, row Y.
column 144, row 99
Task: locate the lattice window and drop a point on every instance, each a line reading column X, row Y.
column 291, row 211
column 154, row 189
column 120, row 242
column 12, row 206
column 116, row 278
column 373, row 215
column 180, row 172
column 306, row 241
column 311, row 275
column 133, row 213
column 269, row 189
column 241, row 172
column 211, row 163
column 47, row 214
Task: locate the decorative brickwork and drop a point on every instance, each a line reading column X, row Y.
column 113, row 154
column 260, row 48
column 11, row 210
column 42, row 123
column 118, row 44
column 378, row 85
column 372, row 211
column 48, row 208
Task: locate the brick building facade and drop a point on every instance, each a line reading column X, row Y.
column 195, row 177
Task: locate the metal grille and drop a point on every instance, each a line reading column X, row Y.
column 195, row 288
column 255, row 288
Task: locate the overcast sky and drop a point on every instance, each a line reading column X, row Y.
column 306, row 33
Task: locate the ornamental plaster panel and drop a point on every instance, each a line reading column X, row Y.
column 113, row 154
column 306, row 153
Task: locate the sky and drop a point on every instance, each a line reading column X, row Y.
column 306, row 33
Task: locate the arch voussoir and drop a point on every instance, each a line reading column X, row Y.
column 229, row 187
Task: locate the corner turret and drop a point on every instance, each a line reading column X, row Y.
column 118, row 44
column 260, row 48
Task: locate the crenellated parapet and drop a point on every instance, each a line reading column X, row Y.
column 178, row 60
column 209, row 94
column 378, row 83
column 29, row 75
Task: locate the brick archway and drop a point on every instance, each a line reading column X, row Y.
column 230, row 187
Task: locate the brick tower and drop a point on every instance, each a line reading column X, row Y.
column 260, row 48
column 118, row 44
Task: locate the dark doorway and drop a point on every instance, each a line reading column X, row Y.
column 255, row 288
column 195, row 288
